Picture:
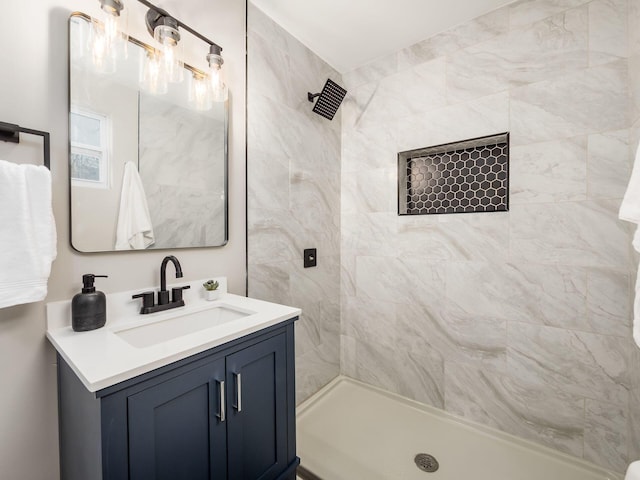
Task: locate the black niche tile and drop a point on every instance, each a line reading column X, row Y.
column 466, row 176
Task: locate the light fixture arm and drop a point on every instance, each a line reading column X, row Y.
column 164, row 13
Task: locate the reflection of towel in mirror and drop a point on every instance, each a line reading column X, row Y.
column 630, row 211
column 28, row 240
column 633, row 472
column 134, row 230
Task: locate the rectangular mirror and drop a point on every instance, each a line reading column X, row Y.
column 148, row 171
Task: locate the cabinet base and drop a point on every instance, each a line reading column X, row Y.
column 305, row 474
column 290, row 472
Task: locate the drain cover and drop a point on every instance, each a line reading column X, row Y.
column 426, row 462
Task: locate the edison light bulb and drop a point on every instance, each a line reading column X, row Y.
column 199, row 95
column 111, row 23
column 106, row 40
column 168, row 39
column 102, row 53
column 217, row 85
column 216, row 82
column 151, row 78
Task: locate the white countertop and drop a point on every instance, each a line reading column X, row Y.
column 101, row 358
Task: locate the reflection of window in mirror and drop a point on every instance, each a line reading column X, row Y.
column 89, row 132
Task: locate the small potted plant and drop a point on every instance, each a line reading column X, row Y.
column 211, row 289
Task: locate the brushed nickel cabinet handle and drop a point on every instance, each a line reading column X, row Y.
column 238, row 405
column 223, row 414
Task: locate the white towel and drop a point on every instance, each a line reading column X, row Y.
column 630, row 211
column 633, row 472
column 28, row 238
column 134, row 230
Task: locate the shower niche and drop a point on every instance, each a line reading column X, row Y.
column 460, row 177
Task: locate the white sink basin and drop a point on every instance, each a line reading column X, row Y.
column 185, row 324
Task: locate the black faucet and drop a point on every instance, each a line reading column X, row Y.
column 148, row 304
column 163, row 294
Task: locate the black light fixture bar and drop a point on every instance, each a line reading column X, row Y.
column 135, row 41
column 180, row 24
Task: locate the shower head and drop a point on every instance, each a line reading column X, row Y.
column 329, row 101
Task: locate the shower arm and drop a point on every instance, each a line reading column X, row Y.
column 311, row 96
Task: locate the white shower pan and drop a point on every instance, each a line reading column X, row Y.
column 350, row 430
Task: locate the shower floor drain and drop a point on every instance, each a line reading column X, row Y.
column 426, row 462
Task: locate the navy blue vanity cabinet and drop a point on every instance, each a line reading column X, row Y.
column 174, row 431
column 227, row 413
column 257, row 437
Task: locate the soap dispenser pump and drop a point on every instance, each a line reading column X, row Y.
column 89, row 308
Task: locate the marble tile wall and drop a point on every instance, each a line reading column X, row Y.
column 633, row 28
column 519, row 320
column 182, row 173
column 294, row 195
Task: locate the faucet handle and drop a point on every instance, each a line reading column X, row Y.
column 147, row 299
column 176, row 293
column 163, row 297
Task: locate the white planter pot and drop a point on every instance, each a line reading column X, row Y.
column 212, row 294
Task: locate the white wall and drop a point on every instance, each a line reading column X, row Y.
column 33, row 93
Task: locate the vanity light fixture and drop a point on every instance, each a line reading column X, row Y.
column 106, row 37
column 217, row 86
column 162, row 64
column 164, row 29
column 112, row 10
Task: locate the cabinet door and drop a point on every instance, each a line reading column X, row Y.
column 257, row 396
column 175, row 432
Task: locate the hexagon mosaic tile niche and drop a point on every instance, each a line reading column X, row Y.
column 461, row 177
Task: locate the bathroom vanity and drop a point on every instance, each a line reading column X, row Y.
column 217, row 402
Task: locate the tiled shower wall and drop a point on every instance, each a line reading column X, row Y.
column 294, row 195
column 520, row 320
column 634, row 140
